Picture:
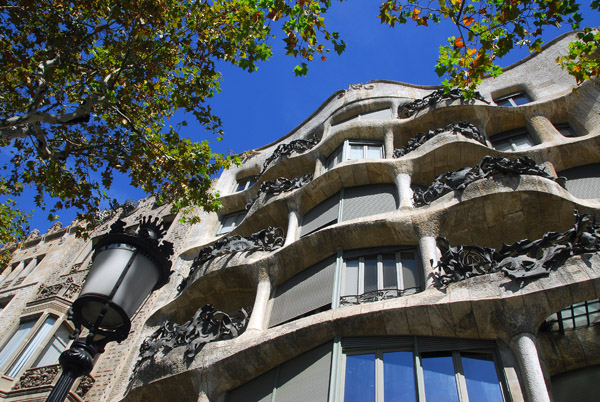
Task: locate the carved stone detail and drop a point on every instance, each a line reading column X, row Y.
column 355, row 87
column 207, row 325
column 268, row 239
column 464, row 128
column 296, row 146
column 278, row 186
column 437, row 96
column 84, row 386
column 489, row 166
column 67, row 289
column 522, row 260
column 37, row 377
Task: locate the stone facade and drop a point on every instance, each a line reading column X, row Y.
column 329, row 257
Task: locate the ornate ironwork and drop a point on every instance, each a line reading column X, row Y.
column 278, row 186
column 38, row 377
column 151, row 231
column 297, row 146
column 377, row 295
column 126, row 208
column 462, row 127
column 488, row 167
column 207, row 325
column 268, row 239
column 437, row 96
column 522, row 260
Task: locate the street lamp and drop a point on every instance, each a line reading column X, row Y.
column 127, row 266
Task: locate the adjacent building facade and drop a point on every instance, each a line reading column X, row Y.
column 360, row 258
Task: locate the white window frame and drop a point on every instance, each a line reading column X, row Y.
column 237, row 217
column 509, row 137
column 247, row 182
column 510, row 99
column 23, row 345
column 343, row 152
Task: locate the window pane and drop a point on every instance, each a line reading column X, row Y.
column 503, row 145
column 504, row 102
column 15, row 341
column 33, row 345
column 374, row 151
column 481, row 377
column 351, row 278
column 399, row 377
column 54, row 348
column 438, row 375
column 359, row 383
column 520, row 99
column 370, row 274
column 390, row 277
column 410, row 274
column 356, row 151
column 522, row 142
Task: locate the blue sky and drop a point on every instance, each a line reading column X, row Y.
column 261, row 107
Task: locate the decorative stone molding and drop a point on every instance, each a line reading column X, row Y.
column 355, row 87
column 268, row 239
column 67, row 289
column 522, row 260
column 278, row 186
column 207, row 325
column 438, row 96
column 296, row 146
column 84, row 386
column 489, row 166
column 34, row 234
column 126, row 208
column 37, row 377
column 462, row 127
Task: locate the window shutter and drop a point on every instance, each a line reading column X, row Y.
column 369, row 200
column 303, row 293
column 256, row 390
column 583, row 181
column 307, row 374
column 323, row 214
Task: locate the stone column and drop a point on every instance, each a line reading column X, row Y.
column 523, row 346
column 261, row 302
column 430, row 255
column 405, row 193
column 389, row 143
column 292, row 228
column 543, row 129
column 318, row 167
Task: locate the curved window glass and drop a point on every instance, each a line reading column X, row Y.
column 579, row 315
column 354, row 150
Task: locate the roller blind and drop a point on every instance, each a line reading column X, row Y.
column 307, row 291
column 583, row 181
column 368, row 200
column 577, row 385
column 323, row 214
column 259, row 389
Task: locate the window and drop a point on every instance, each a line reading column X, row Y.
column 400, row 373
column 353, row 150
column 350, row 203
column 229, row 222
column 513, row 140
column 245, row 183
column 579, row 315
column 566, row 130
column 22, row 347
column 583, row 181
column 379, row 275
column 512, row 100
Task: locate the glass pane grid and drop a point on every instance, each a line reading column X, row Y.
column 579, row 315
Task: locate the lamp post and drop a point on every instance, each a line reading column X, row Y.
column 127, row 266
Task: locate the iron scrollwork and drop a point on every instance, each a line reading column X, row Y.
column 278, row 186
column 488, row 167
column 464, row 128
column 521, row 260
column 207, row 325
column 298, row 146
column 437, row 96
column 268, row 239
column 376, row 295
